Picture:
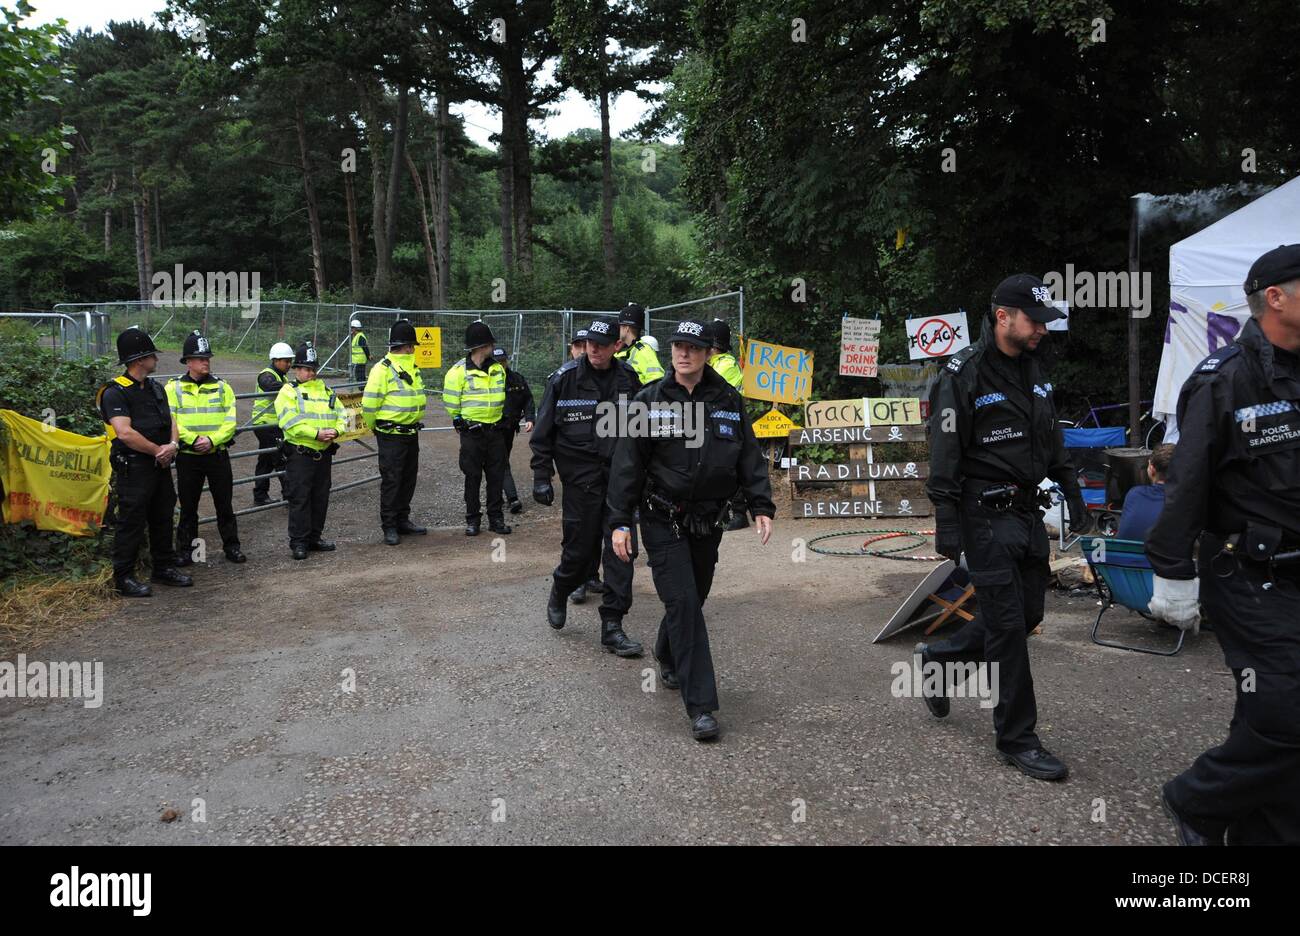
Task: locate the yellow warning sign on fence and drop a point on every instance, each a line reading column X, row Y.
column 56, row 479
column 428, row 353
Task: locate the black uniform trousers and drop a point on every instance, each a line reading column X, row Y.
column 1007, row 554
column 267, row 462
column 192, row 470
column 399, row 466
column 307, row 481
column 585, row 541
column 146, row 498
column 1249, row 786
column 358, row 373
column 482, row 454
column 507, row 477
column 682, row 567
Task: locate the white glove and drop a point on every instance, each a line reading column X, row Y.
column 1175, row 601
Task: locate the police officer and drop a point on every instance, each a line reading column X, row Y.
column 681, row 475
column 264, row 424
column 993, row 438
column 633, row 349
column 134, row 407
column 311, row 417
column 724, row 362
column 576, row 435
column 203, row 409
column 577, row 347
column 359, row 350
column 392, row 406
column 474, row 393
column 1235, row 483
column 519, row 406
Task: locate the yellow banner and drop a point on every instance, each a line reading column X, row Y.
column 356, row 425
column 53, row 478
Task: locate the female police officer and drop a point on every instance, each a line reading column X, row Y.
column 681, row 471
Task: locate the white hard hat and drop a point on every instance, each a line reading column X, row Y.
column 651, row 342
column 355, row 323
column 280, row 350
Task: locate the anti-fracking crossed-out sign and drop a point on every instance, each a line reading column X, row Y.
column 937, row 336
column 777, row 373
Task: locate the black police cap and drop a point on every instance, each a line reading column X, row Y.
column 693, row 332
column 602, row 331
column 402, row 333
column 1279, row 265
column 632, row 314
column 1030, row 295
column 134, row 343
column 721, row 334
column 196, row 346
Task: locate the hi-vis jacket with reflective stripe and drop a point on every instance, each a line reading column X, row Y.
column 202, row 409
column 725, row 364
column 475, row 393
column 304, row 409
column 360, row 348
column 394, row 392
column 264, row 406
column 643, row 361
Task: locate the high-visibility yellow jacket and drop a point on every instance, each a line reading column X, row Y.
column 360, row 348
column 264, row 406
column 643, row 360
column 303, row 409
column 725, row 364
column 475, row 393
column 202, row 409
column 394, row 393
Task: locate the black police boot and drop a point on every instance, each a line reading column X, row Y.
column 594, row 584
column 390, row 536
column 738, row 522
column 407, row 528
column 668, row 675
column 472, row 527
column 1186, row 834
column 1038, row 763
column 236, row 555
column 261, row 500
column 183, row 560
column 555, row 610
column 579, row 595
column 939, row 705
column 615, row 641
column 498, row 526
column 515, row 506
column 170, row 576
column 320, row 545
column 300, row 551
column 704, row 726
column 128, row 587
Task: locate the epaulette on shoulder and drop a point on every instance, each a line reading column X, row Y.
column 123, row 381
column 960, row 358
column 564, row 368
column 1216, row 360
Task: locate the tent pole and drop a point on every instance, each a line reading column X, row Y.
column 1134, row 384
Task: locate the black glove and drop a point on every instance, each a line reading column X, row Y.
column 459, row 424
column 543, row 493
column 947, row 533
column 1082, row 522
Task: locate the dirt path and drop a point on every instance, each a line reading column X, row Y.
column 467, row 707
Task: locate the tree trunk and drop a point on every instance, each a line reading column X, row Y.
column 442, row 215
column 606, row 189
column 371, row 109
column 313, row 210
column 141, row 282
column 145, row 242
column 395, row 170
column 157, row 218
column 354, row 234
column 514, row 125
column 522, row 189
column 430, row 258
column 507, row 177
column 108, row 216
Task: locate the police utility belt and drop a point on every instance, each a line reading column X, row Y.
column 1260, row 546
column 387, row 425
column 696, row 518
column 313, row 454
column 1006, row 495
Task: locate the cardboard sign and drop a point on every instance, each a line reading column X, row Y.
column 859, row 347
column 862, row 471
column 356, row 425
column 857, row 435
column 831, row 414
column 428, row 353
column 777, row 373
column 773, row 425
column 937, row 336
column 862, row 507
column 893, row 411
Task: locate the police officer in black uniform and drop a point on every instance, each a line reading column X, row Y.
column 576, row 437
column 681, row 474
column 1235, row 483
column 519, row 405
column 993, row 437
column 144, row 447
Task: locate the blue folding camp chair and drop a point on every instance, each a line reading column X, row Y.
column 1124, row 577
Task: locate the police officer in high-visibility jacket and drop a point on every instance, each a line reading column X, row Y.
column 474, row 393
column 632, row 347
column 359, row 350
column 393, row 405
column 311, row 418
column 265, row 427
column 724, row 362
column 203, row 409
column 134, row 407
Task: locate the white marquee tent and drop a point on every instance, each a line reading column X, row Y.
column 1207, row 306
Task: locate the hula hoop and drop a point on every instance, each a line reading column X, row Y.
column 873, row 537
